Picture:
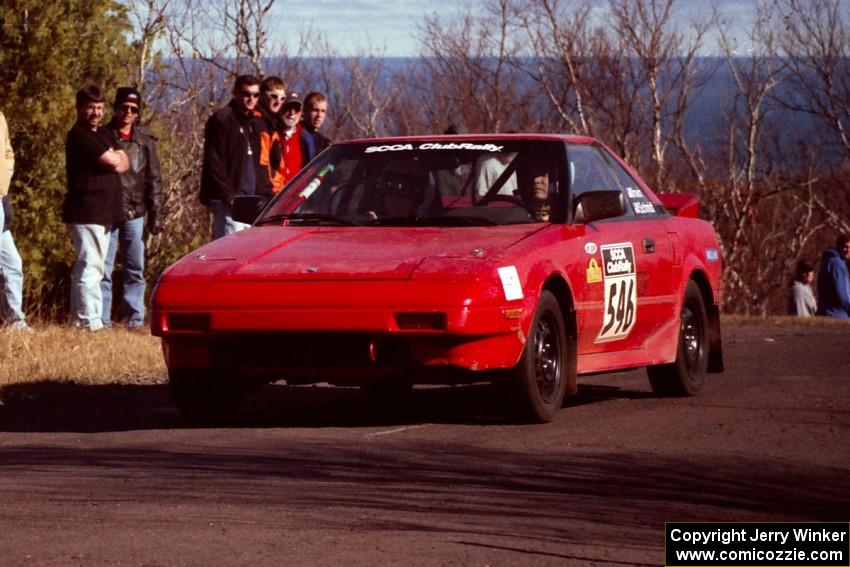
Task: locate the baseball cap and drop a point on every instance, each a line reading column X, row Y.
column 292, row 99
column 127, row 94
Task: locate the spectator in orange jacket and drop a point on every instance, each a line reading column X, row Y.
column 272, row 95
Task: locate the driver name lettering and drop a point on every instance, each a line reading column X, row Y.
column 434, row 146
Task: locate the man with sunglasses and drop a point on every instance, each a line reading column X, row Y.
column 272, row 95
column 231, row 164
column 293, row 151
column 141, row 190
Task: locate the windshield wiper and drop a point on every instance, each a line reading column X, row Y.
column 306, row 218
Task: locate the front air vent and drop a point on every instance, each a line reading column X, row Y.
column 421, row 321
column 197, row 322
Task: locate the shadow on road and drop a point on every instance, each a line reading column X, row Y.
column 68, row 407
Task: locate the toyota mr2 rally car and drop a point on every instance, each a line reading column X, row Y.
column 523, row 260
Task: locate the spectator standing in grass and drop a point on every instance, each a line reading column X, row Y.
column 272, row 95
column 92, row 204
column 141, row 188
column 231, row 164
column 313, row 142
column 293, row 153
column 11, row 266
column 834, row 280
column 801, row 299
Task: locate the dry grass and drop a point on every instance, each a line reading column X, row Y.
column 56, row 353
column 784, row 321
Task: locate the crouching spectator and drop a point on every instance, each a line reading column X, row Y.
column 801, row 298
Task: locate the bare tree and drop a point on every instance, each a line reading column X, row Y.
column 149, row 21
column 469, row 60
column 815, row 37
column 664, row 58
column 560, row 36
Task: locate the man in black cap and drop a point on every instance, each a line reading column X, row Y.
column 293, row 153
column 141, row 190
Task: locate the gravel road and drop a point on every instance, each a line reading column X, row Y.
column 109, row 475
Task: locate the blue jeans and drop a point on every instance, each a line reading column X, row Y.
column 223, row 223
column 91, row 243
column 12, row 276
column 126, row 239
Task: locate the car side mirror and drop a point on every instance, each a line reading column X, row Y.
column 597, row 205
column 246, row 208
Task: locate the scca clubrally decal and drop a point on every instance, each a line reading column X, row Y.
column 619, row 279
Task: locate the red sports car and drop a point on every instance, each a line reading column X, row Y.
column 524, row 260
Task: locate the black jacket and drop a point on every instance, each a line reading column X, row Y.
column 141, row 185
column 225, row 152
column 320, row 140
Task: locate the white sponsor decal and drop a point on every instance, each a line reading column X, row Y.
column 712, row 255
column 620, row 307
column 510, row 283
column 461, row 146
column 434, row 146
column 634, row 193
column 590, row 248
column 643, row 207
column 391, row 148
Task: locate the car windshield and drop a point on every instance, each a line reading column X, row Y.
column 442, row 182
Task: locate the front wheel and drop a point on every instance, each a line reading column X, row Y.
column 540, row 378
column 686, row 375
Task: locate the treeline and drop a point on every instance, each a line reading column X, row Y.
column 770, row 159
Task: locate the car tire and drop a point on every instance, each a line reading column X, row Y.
column 539, row 380
column 205, row 396
column 686, row 375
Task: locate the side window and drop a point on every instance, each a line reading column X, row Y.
column 635, row 196
column 589, row 171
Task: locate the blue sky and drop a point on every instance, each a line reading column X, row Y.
column 357, row 26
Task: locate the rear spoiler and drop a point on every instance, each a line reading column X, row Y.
column 680, row 204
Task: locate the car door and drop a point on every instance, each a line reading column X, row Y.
column 616, row 277
column 659, row 268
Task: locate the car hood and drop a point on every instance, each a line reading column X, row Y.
column 318, row 253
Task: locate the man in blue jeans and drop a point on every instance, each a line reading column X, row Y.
column 92, row 204
column 11, row 267
column 141, row 190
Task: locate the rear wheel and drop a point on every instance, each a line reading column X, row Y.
column 686, row 375
column 205, row 396
column 540, row 379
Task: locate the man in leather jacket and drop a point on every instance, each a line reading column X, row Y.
column 141, row 189
column 231, row 165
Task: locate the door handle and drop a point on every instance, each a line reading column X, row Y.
column 648, row 245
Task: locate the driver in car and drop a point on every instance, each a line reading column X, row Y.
column 535, row 188
column 401, row 194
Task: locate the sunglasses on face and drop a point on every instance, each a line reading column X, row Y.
column 129, row 109
column 250, row 94
column 275, row 96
